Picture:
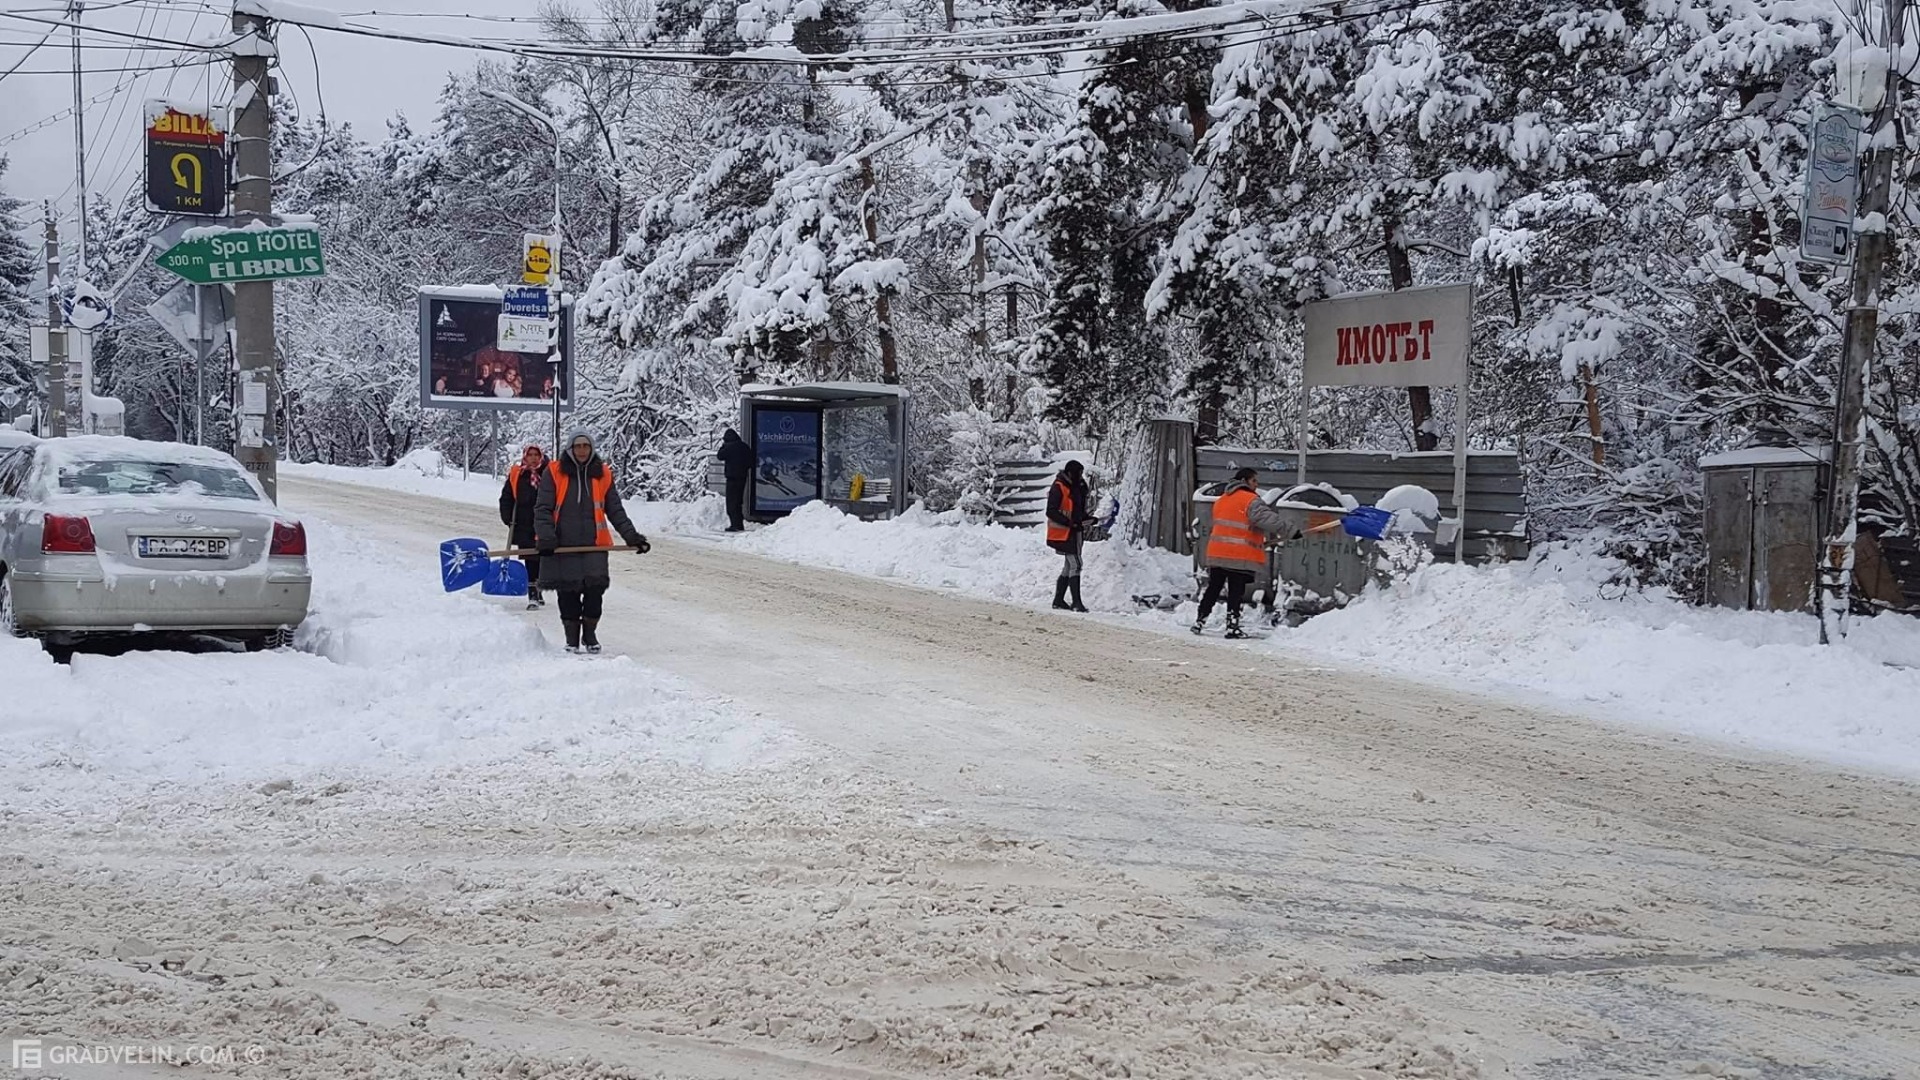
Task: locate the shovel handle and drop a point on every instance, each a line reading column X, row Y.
column 521, row 553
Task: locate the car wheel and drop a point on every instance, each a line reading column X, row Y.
column 7, row 626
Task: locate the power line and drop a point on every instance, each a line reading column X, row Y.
column 1204, row 24
column 29, row 55
column 48, row 121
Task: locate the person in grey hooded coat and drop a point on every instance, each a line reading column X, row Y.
column 579, row 506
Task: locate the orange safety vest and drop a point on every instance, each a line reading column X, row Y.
column 513, row 479
column 1232, row 539
column 599, row 486
column 1056, row 532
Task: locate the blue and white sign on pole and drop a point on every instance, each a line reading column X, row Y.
column 526, row 302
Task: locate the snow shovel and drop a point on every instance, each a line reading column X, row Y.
column 505, row 577
column 466, row 562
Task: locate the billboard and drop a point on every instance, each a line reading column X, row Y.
column 786, row 447
column 1412, row 337
column 462, row 365
column 186, row 159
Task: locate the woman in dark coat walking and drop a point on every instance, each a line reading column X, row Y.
column 576, row 505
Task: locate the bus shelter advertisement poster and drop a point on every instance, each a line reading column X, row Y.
column 465, row 364
column 786, row 445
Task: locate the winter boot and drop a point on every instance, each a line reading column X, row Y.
column 1199, row 626
column 1074, row 584
column 534, row 600
column 573, row 634
column 1060, row 594
column 587, row 636
column 1233, row 625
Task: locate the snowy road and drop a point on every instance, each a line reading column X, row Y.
column 1006, row 843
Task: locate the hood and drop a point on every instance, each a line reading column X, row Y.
column 731, row 436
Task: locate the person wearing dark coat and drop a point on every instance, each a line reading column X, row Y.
column 517, row 498
column 737, row 457
column 579, row 506
column 1067, row 515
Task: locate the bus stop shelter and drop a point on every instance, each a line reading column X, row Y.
column 842, row 443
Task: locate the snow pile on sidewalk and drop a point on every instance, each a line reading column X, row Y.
column 945, row 551
column 422, row 472
column 1556, row 628
column 391, row 675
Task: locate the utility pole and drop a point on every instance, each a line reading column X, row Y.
column 79, row 145
column 554, row 358
column 55, row 425
column 1857, row 348
column 258, row 444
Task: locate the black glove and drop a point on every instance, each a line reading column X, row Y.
column 546, row 550
column 640, row 545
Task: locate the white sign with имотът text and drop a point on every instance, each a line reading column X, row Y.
column 1407, row 337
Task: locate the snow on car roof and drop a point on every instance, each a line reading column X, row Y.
column 119, row 448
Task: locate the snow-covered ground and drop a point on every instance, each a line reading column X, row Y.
column 392, row 675
column 1551, row 630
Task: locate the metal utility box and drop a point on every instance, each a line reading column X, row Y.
column 1764, row 519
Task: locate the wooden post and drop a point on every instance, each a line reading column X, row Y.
column 1857, row 349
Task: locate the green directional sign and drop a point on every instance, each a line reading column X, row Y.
column 212, row 256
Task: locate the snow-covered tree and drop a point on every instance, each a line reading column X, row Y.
column 17, row 272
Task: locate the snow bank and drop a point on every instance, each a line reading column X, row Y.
column 391, row 675
column 1555, row 628
column 945, row 551
column 422, row 472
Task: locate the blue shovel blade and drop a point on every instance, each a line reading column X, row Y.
column 1366, row 522
column 463, row 563
column 505, row 578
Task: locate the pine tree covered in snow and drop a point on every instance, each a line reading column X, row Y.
column 17, row 273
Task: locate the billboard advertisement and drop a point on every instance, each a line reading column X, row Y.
column 462, row 365
column 786, row 446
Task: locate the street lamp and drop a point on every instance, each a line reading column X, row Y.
column 553, row 128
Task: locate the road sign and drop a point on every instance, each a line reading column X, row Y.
column 194, row 326
column 1833, row 184
column 538, row 256
column 186, row 160
column 517, row 333
column 87, row 308
column 526, row 301
column 208, row 256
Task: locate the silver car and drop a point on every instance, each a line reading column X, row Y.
column 117, row 536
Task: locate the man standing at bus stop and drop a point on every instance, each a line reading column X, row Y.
column 737, row 458
column 1237, row 547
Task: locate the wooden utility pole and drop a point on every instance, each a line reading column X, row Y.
column 882, row 300
column 258, row 444
column 54, row 424
column 1857, row 348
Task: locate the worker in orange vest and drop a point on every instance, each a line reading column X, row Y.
column 1236, row 547
column 580, row 507
column 1067, row 517
column 517, row 497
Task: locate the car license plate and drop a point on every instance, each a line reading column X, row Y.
column 183, row 547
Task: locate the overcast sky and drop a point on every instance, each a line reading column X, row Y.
column 363, row 81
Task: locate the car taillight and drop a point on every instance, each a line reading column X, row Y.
column 289, row 539
column 64, row 535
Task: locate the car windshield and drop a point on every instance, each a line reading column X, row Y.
column 114, row 477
